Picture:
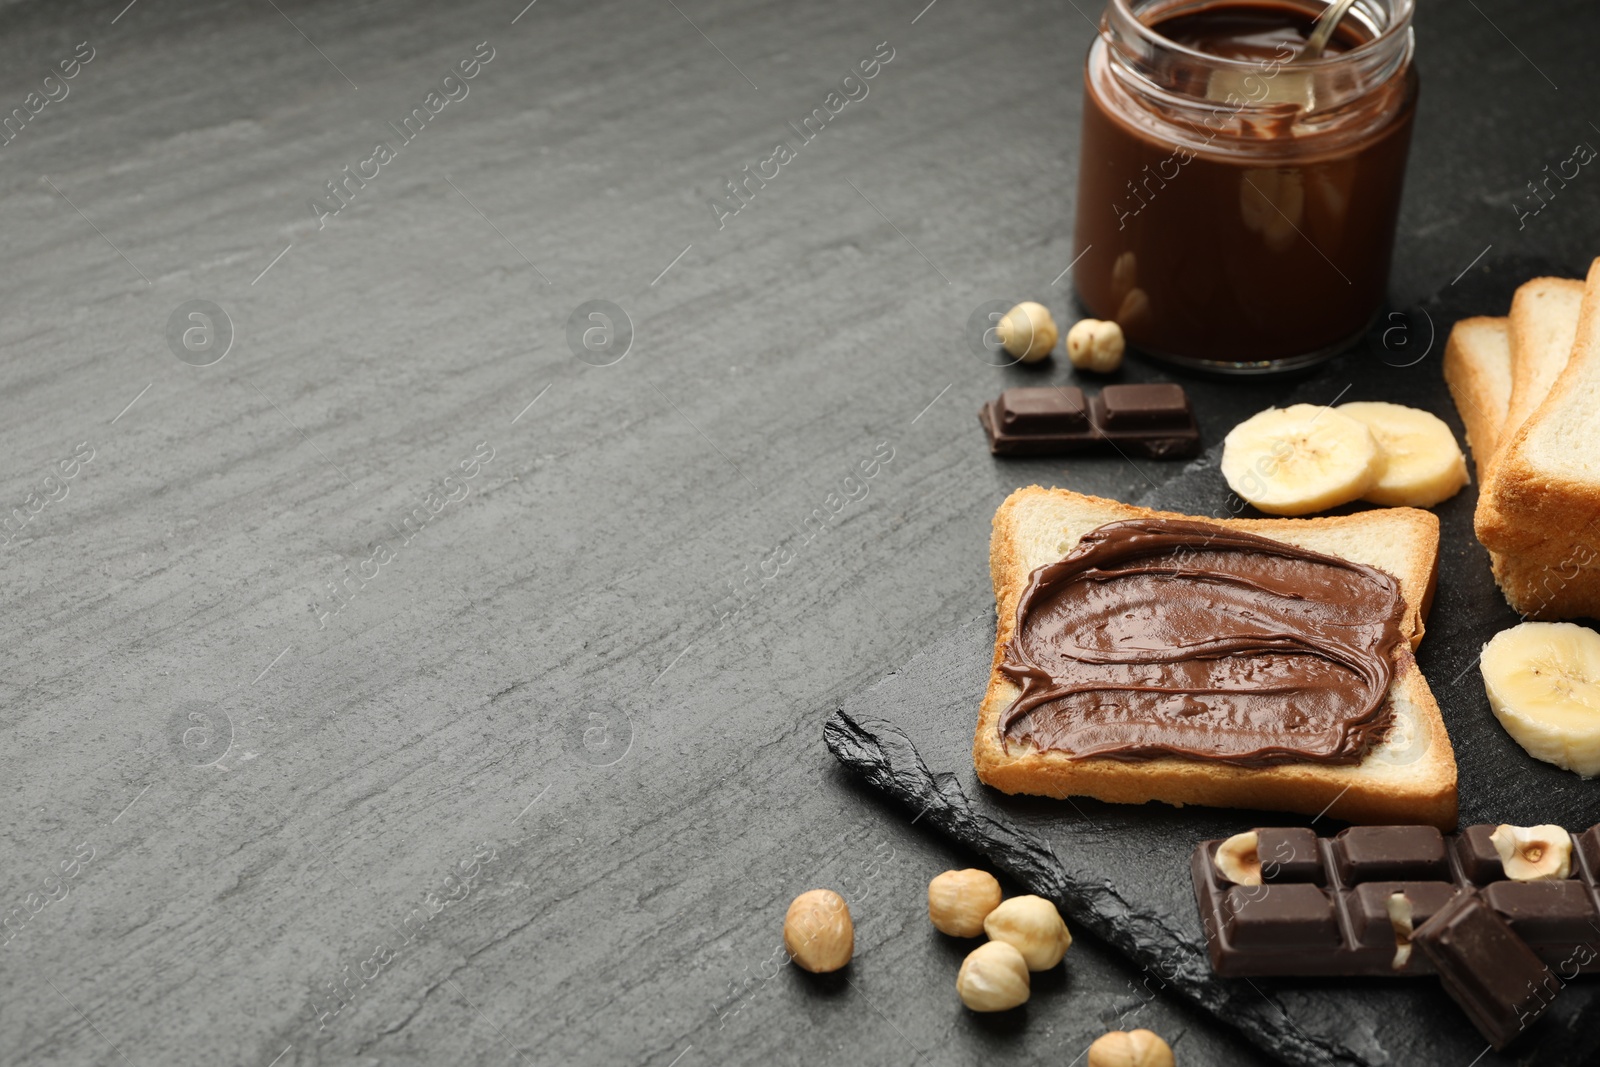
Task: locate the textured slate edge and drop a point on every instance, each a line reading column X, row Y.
column 881, row 755
column 885, row 758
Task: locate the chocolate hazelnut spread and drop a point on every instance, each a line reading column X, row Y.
column 1169, row 637
column 1235, row 210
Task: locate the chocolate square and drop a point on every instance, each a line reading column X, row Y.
column 1146, row 406
column 1480, row 862
column 1369, row 908
column 1285, row 916
column 1587, row 845
column 1559, row 912
column 1042, row 410
column 1390, row 854
column 1289, row 854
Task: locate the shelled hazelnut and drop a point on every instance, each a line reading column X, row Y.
column 817, row 931
column 1034, row 927
column 993, row 977
column 1238, row 859
column 1533, row 853
column 959, row 901
column 1028, row 331
column 1136, row 1048
column 1095, row 345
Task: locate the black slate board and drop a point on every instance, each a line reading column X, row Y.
column 1121, row 872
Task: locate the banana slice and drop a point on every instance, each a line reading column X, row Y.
column 1422, row 464
column 1300, row 459
column 1543, row 681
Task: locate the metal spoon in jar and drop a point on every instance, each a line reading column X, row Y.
column 1285, row 85
column 1322, row 32
column 1299, row 87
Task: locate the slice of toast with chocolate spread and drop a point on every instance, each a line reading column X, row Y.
column 1401, row 770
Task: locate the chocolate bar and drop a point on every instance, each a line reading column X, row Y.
column 1358, row 902
column 1331, row 895
column 1488, row 970
column 1153, row 420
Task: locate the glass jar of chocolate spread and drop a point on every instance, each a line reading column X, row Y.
column 1236, row 209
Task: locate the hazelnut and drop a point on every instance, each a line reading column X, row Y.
column 1533, row 853
column 1093, row 344
column 1238, row 861
column 1136, row 1048
column 959, row 901
column 817, row 931
column 993, row 977
column 1034, row 927
column 1027, row 331
column 1402, row 919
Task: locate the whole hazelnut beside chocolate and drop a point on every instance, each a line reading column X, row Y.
column 959, row 901
column 817, row 931
column 993, row 977
column 1034, row 927
column 1093, row 344
column 1027, row 331
column 1137, row 1048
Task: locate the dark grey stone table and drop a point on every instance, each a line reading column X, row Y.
column 375, row 693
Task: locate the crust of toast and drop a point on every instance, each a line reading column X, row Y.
column 1564, row 587
column 1544, row 325
column 1409, row 778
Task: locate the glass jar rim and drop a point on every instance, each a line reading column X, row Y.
column 1399, row 24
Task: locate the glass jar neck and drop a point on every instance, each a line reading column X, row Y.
column 1253, row 106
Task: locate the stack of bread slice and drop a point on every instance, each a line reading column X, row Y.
column 1528, row 389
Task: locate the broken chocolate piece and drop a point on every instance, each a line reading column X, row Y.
column 1150, row 420
column 1486, row 968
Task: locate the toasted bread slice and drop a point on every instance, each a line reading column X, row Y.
column 1477, row 368
column 1542, row 523
column 1545, row 485
column 1555, row 578
column 1409, row 777
column 1544, row 325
